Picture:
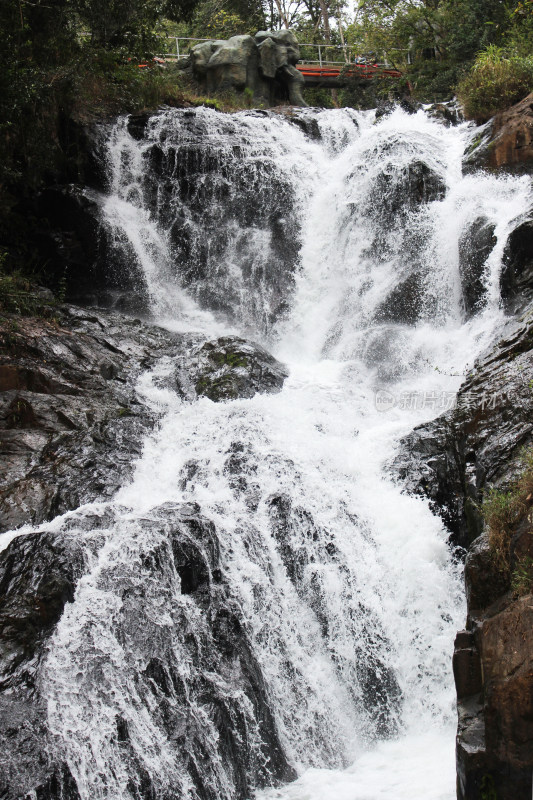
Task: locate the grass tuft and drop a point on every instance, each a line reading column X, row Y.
column 504, row 510
column 495, row 83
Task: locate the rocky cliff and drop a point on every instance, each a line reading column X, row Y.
column 454, row 461
column 72, row 420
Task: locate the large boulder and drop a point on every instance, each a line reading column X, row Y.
column 71, row 421
column 475, row 246
column 516, row 280
column 229, row 368
column 506, row 142
column 233, row 743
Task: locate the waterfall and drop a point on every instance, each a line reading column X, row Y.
column 314, row 638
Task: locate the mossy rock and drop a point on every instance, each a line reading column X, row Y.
column 230, row 367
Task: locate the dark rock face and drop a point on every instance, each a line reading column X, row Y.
column 38, row 576
column 70, row 418
column 394, row 194
column 452, row 460
column 448, row 113
column 394, row 210
column 405, row 304
column 179, row 553
column 72, row 424
column 231, row 367
column 229, row 213
column 516, row 282
column 81, row 252
column 506, row 142
column 475, row 246
column 295, row 531
column 38, row 573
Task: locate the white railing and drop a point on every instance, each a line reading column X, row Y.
column 182, row 51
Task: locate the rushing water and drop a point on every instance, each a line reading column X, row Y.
column 340, row 253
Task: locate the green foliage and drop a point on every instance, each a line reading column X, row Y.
column 520, row 34
column 436, row 41
column 504, row 510
column 495, row 82
column 369, row 95
column 319, row 98
column 522, row 577
column 487, row 788
column 17, row 296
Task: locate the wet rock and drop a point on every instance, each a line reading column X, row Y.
column 506, row 142
column 215, row 200
column 305, row 551
column 452, row 460
column 38, row 575
column 308, row 124
column 70, row 418
column 137, row 124
column 232, row 743
column 394, row 193
column 477, row 152
column 473, row 776
column 384, row 108
column 477, row 444
column 516, row 281
column 475, row 246
column 231, row 367
column 449, row 113
column 240, row 468
column 80, row 251
column 405, row 304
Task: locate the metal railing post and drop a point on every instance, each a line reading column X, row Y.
column 177, row 49
column 319, row 55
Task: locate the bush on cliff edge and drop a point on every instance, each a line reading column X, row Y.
column 504, row 512
column 495, row 82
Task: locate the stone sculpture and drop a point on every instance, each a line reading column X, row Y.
column 264, row 64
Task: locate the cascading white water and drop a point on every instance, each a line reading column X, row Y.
column 348, row 589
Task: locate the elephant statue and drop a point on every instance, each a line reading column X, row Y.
column 264, row 64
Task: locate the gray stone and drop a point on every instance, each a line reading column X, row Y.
column 264, row 65
column 229, row 368
column 71, row 422
column 475, row 246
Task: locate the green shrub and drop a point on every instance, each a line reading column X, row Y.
column 522, row 577
column 495, row 82
column 504, row 510
column 17, row 296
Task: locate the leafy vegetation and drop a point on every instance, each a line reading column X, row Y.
column 503, row 512
column 19, row 296
column 522, row 577
column 436, row 42
column 495, row 82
